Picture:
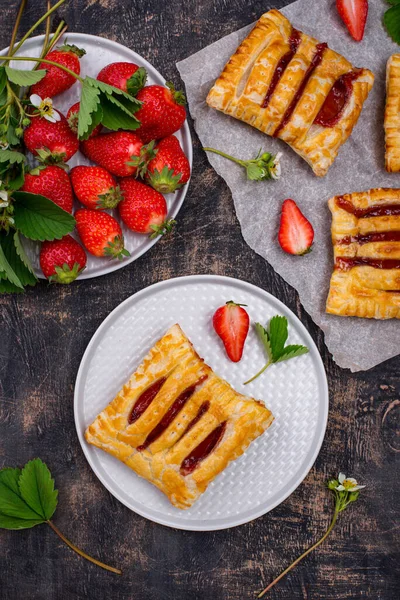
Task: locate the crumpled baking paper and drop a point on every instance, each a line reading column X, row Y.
column 355, row 343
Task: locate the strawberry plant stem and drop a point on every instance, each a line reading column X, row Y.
column 300, row 558
column 32, row 29
column 228, row 156
column 47, row 31
column 259, row 373
column 17, row 23
column 45, row 61
column 80, row 552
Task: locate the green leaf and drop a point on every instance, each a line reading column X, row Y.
column 22, row 254
column 3, row 81
column 278, row 334
column 39, row 219
column 114, row 118
column 37, row 488
column 6, row 287
column 89, row 103
column 109, row 90
column 264, row 337
column 393, row 1
column 24, row 274
column 291, row 352
column 24, row 78
column 7, row 270
column 12, row 156
column 391, row 20
column 127, row 106
column 15, row 513
column 137, row 81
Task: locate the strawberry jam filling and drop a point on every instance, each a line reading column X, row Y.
column 202, row 411
column 316, row 60
column 294, row 43
column 336, row 101
column 170, row 415
column 382, row 210
column 145, row 399
column 346, row 263
column 203, row 450
column 378, row 236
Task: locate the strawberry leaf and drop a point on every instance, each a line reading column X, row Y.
column 20, row 250
column 6, row 270
column 37, row 488
column 8, row 244
column 24, row 78
column 3, row 83
column 137, row 81
column 278, row 334
column 89, row 103
column 15, row 513
column 292, row 351
column 391, row 20
column 264, row 337
column 114, row 118
column 12, row 156
column 39, row 219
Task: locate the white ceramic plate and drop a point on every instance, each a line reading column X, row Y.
column 100, row 52
column 296, row 391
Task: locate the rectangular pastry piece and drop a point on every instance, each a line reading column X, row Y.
column 392, row 114
column 176, row 423
column 366, row 247
column 292, row 87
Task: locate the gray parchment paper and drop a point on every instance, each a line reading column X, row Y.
column 358, row 344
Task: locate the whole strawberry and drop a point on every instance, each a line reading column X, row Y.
column 162, row 112
column 52, row 142
column 56, row 80
column 170, row 168
column 73, row 116
column 62, row 260
column 115, row 151
column 120, row 75
column 100, row 233
column 143, row 209
column 53, row 183
column 95, row 187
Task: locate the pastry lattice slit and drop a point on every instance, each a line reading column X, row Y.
column 176, row 423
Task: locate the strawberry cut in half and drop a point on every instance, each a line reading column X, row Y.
column 296, row 233
column 231, row 323
column 354, row 15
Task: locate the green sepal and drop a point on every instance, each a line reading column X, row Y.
column 72, row 48
column 177, row 95
column 65, row 275
column 52, row 158
column 137, row 81
column 162, row 229
column 165, row 181
column 110, row 199
column 116, row 248
column 141, row 162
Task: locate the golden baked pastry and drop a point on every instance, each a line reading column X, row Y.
column 176, row 423
column 290, row 86
column 392, row 114
column 366, row 247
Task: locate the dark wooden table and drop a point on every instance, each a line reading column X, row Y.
column 44, row 333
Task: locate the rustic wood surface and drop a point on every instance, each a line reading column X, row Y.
column 44, row 333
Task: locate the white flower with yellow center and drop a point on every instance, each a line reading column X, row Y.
column 45, row 108
column 348, row 484
column 3, row 198
column 276, row 169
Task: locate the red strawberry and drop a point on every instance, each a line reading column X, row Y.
column 170, row 168
column 296, row 234
column 52, row 142
column 231, row 322
column 100, row 233
column 72, row 118
column 62, row 260
column 354, row 14
column 53, row 183
column 95, row 187
column 115, row 151
column 56, row 80
column 119, row 75
column 143, row 209
column 162, row 112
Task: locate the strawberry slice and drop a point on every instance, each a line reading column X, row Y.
column 354, row 15
column 231, row 322
column 296, row 234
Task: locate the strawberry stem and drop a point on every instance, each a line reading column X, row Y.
column 48, row 28
column 17, row 24
column 80, row 552
column 259, row 373
column 228, row 156
column 32, row 29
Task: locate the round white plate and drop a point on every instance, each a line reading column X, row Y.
column 296, row 391
column 100, row 52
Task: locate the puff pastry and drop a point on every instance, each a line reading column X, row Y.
column 290, row 86
column 176, row 423
column 392, row 114
column 366, row 245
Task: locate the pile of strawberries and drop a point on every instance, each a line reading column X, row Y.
column 132, row 172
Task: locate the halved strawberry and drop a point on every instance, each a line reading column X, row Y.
column 354, row 14
column 296, row 234
column 231, row 322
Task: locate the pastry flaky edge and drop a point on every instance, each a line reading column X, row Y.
column 392, row 115
column 241, row 88
column 174, row 357
column 365, row 291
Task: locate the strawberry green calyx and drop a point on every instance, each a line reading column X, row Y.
column 177, row 95
column 165, row 181
column 116, row 248
column 73, row 121
column 110, row 199
column 137, row 81
column 66, row 275
column 141, row 162
column 47, row 157
column 71, row 48
column 232, row 303
column 162, row 229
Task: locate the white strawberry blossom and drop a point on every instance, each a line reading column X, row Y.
column 45, row 108
column 276, row 169
column 348, row 484
column 3, row 198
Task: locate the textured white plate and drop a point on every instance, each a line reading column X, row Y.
column 296, row 392
column 100, row 52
